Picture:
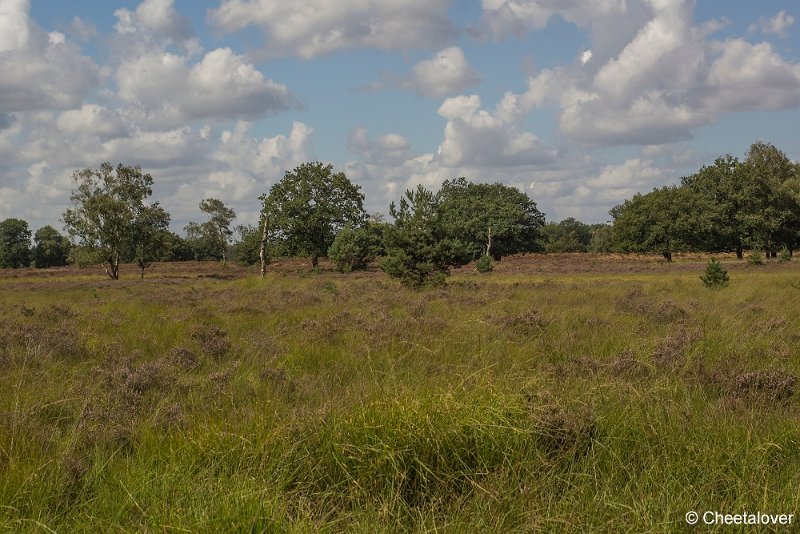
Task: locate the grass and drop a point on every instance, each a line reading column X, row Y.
column 506, row 402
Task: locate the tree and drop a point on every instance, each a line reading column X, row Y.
column 150, row 235
column 570, row 235
column 771, row 213
column 15, row 244
column 246, row 249
column 51, row 249
column 661, row 221
column 106, row 203
column 602, row 238
column 719, row 189
column 471, row 213
column 210, row 239
column 308, row 207
column 419, row 250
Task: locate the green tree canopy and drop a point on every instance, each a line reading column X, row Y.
column 569, row 235
column 150, row 235
column 210, row 239
column 308, row 207
column 51, row 249
column 419, row 250
column 15, row 244
column 661, row 221
column 105, row 205
column 469, row 211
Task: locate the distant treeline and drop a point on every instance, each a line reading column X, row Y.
column 729, row 206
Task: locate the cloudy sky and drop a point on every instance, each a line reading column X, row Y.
column 580, row 103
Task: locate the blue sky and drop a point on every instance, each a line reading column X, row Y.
column 579, row 103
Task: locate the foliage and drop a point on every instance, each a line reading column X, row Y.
column 715, row 276
column 209, row 240
column 755, row 257
column 663, row 221
column 174, row 248
column 246, row 249
column 419, row 250
column 15, row 243
column 785, row 255
column 308, row 207
column 106, row 206
column 484, row 264
column 51, row 249
column 469, row 212
column 570, row 235
column 150, row 235
column 602, row 238
column 354, row 248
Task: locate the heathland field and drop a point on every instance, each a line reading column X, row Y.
column 559, row 393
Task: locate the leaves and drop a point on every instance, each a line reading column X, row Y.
column 309, row 206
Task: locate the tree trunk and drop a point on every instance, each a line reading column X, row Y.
column 262, row 253
column 739, row 253
column 111, row 265
column 667, row 255
column 489, row 242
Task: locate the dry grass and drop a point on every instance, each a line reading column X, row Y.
column 558, row 393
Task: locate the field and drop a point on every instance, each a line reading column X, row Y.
column 560, row 393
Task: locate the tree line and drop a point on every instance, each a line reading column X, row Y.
column 314, row 212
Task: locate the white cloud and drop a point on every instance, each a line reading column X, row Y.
column 389, row 149
column 476, row 137
column 666, row 80
column 158, row 17
column 446, row 73
column 309, row 28
column 39, row 70
column 169, row 91
column 91, row 119
column 778, row 25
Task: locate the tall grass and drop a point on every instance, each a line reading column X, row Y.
column 331, row 403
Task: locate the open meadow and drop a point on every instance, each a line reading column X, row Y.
column 559, row 393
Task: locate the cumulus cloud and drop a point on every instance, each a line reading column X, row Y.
column 389, row 149
column 39, row 70
column 475, row 136
column 446, row 73
column 778, row 25
column 667, row 80
column 309, row 28
column 169, row 90
column 158, row 17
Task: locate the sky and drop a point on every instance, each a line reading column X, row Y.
column 579, row 103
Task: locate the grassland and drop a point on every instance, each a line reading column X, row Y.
column 556, row 394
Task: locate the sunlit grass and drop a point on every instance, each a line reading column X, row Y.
column 325, row 402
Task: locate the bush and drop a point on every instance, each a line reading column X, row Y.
column 716, row 276
column 484, row 264
column 785, row 255
column 352, row 249
column 418, row 250
column 755, row 258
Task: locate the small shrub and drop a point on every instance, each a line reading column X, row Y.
column 716, row 276
column 785, row 255
column 353, row 249
column 755, row 258
column 484, row 264
column 212, row 339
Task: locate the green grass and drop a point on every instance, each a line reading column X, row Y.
column 332, row 403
